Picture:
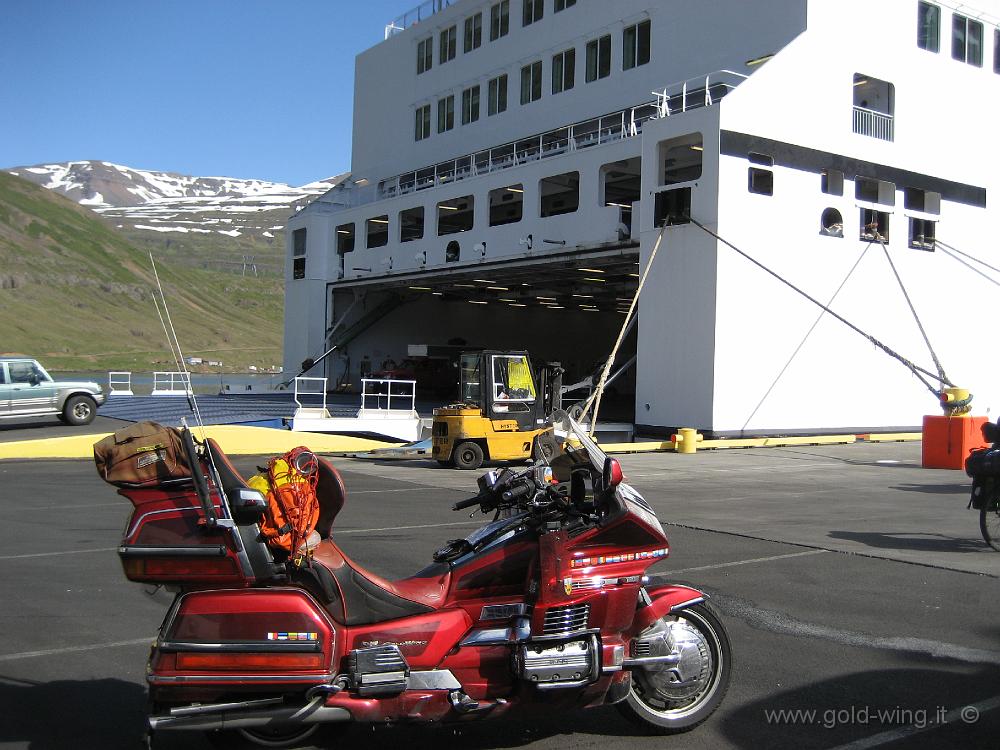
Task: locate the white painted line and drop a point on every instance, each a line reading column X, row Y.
column 73, row 649
column 469, row 522
column 54, row 554
column 750, row 561
column 967, row 715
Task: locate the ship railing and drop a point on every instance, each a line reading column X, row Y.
column 416, row 15
column 677, row 98
column 873, row 123
column 310, row 397
column 387, row 397
column 171, row 384
column 120, row 383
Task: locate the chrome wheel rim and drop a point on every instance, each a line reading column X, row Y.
column 675, row 691
column 81, row 410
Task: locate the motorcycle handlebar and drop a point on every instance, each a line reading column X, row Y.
column 469, row 502
column 521, row 490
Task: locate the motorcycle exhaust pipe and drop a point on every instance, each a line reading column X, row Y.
column 311, row 713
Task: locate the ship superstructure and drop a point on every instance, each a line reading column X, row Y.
column 514, row 163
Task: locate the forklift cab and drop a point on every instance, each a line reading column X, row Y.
column 502, row 385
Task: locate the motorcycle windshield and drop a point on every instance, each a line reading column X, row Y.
column 577, row 441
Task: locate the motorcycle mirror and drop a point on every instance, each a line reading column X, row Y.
column 488, row 481
column 612, row 475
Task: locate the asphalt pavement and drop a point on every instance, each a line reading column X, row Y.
column 858, row 596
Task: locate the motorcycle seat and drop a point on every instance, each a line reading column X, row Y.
column 354, row 596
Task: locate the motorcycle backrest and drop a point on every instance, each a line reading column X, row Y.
column 332, row 494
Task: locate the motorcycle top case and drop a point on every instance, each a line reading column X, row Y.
column 145, row 454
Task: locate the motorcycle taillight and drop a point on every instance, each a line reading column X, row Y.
column 225, row 634
column 239, row 661
column 165, row 569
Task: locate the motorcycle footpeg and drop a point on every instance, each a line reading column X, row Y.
column 465, row 704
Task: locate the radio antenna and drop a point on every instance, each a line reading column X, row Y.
column 175, row 350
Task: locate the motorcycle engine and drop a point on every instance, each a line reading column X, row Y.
column 558, row 664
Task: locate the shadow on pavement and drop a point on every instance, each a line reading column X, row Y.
column 908, row 540
column 72, row 714
column 936, row 489
column 853, row 707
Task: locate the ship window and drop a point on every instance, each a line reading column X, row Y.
column 455, row 215
column 470, row 105
column 922, row 200
column 928, row 27
column 447, row 48
column 453, row 252
column 377, row 229
column 875, row 191
column 531, row 82
column 473, row 32
column 599, row 58
column 499, row 20
column 681, row 159
column 345, row 238
column 831, row 223
column 446, row 113
column 874, row 225
column 635, row 45
column 560, row 194
column 506, row 205
column 298, row 268
column 967, row 40
column 299, row 242
column 564, row 4
column 832, row 182
column 411, row 224
column 760, row 181
column 996, row 50
column 622, row 180
column 425, row 53
column 497, row 95
column 672, row 207
column 422, row 122
column 563, row 71
column 874, row 104
column 763, row 159
column 532, row 10
column 922, row 234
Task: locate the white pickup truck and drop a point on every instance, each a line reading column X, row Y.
column 26, row 390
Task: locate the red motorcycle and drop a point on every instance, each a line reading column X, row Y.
column 545, row 607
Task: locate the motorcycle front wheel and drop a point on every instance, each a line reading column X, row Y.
column 676, row 697
column 989, row 522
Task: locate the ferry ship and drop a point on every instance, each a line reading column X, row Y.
column 516, row 163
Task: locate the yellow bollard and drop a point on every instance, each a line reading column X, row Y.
column 686, row 440
column 956, row 402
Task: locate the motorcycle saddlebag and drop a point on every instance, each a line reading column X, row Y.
column 983, row 463
column 145, row 454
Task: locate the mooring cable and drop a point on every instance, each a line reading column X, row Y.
column 944, row 249
column 911, row 366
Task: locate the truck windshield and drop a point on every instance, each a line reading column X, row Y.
column 512, row 379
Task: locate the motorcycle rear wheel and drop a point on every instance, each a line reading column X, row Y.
column 989, row 522
column 668, row 699
column 285, row 737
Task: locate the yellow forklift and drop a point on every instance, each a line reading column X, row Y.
column 501, row 411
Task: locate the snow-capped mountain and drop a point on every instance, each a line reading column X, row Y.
column 169, row 203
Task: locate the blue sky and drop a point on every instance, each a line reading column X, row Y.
column 241, row 88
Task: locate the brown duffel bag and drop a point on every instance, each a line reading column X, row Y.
column 146, row 454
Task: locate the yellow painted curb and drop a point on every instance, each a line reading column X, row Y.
column 892, row 437
column 235, row 440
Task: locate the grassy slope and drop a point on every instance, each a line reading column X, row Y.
column 77, row 295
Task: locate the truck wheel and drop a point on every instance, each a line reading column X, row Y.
column 79, row 410
column 467, row 456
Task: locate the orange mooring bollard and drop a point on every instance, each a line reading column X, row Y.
column 947, row 441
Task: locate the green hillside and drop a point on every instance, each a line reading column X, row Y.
column 75, row 294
